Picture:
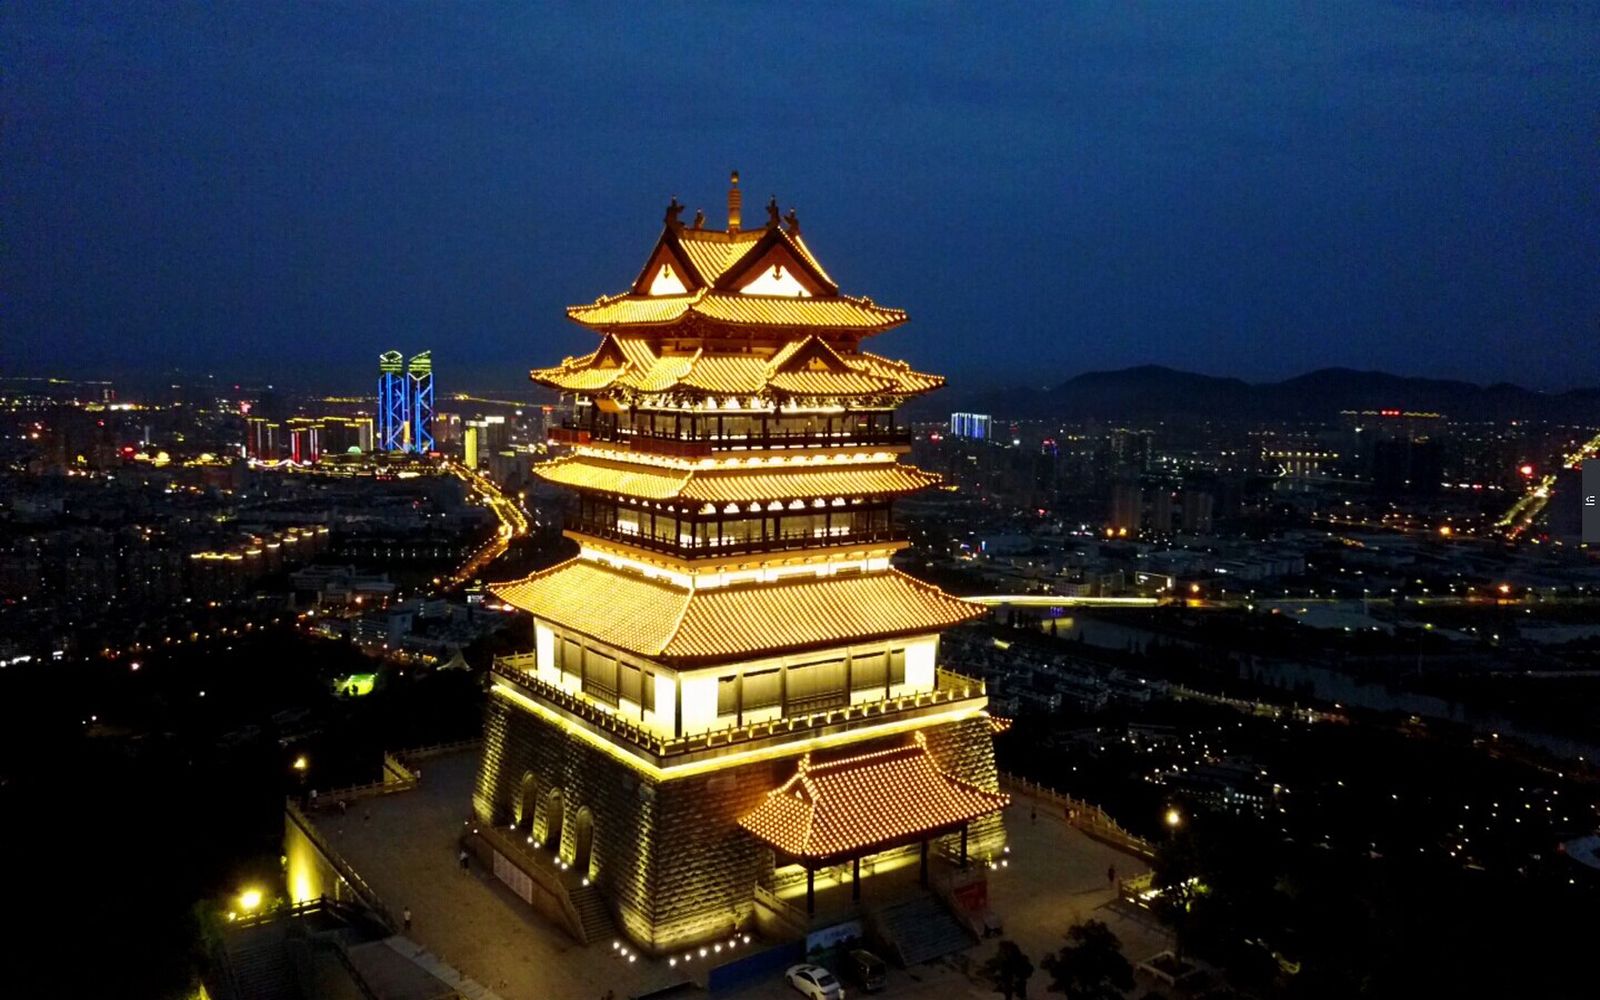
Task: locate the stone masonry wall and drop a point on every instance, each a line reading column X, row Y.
column 670, row 855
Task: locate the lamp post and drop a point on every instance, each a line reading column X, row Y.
column 1174, row 819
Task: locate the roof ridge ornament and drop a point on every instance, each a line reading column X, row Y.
column 772, row 213
column 794, row 222
column 735, row 202
column 673, row 211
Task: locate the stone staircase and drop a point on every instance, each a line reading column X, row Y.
column 922, row 929
column 261, row 969
column 593, row 914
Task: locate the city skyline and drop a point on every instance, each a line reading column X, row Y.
column 1378, row 187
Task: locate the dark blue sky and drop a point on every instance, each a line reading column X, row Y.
column 1254, row 189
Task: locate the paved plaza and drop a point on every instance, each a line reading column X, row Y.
column 405, row 846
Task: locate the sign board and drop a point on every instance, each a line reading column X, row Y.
column 972, row 897
column 830, row 936
column 515, row 877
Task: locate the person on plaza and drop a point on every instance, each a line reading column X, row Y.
column 405, row 916
column 1111, row 876
column 463, row 859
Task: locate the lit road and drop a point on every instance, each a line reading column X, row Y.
column 1531, row 504
column 1060, row 601
column 513, row 523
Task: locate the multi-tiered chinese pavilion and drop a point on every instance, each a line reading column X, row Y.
column 730, row 688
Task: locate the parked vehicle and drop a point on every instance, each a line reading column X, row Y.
column 815, row 982
column 867, row 970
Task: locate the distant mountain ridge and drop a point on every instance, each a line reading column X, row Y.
column 1157, row 391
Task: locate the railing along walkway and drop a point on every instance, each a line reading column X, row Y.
column 1086, row 816
column 520, row 669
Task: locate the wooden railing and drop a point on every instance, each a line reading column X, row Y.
column 520, row 670
column 703, row 549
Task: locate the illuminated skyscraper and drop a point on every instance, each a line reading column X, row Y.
column 419, row 389
column 394, row 403
column 730, row 688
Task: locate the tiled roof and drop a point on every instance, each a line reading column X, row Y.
column 735, row 485
column 863, row 803
column 644, row 371
column 713, row 252
column 841, row 312
column 663, row 622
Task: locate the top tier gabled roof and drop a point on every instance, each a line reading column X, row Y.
column 762, row 279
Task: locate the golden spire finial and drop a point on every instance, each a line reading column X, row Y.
column 735, row 200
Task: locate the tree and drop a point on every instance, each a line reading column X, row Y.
column 1091, row 966
column 1009, row 970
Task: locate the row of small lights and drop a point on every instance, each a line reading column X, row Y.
column 688, row 956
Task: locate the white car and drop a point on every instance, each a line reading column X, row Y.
column 815, row 982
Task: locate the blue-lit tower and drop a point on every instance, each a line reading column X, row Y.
column 419, row 386
column 394, row 402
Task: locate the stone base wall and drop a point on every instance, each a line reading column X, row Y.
column 670, row 855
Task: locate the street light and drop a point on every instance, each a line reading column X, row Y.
column 249, row 900
column 300, row 763
column 1174, row 818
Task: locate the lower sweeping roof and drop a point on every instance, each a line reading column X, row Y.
column 662, row 622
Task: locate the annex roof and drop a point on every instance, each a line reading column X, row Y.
column 866, row 803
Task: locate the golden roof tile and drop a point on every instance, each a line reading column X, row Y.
column 729, row 374
column 832, row 384
column 673, row 625
column 841, row 313
column 749, row 485
column 713, row 252
column 646, row 482
column 865, row 803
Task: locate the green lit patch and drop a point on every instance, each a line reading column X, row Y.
column 355, row 685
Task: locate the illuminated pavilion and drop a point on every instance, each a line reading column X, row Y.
column 730, row 688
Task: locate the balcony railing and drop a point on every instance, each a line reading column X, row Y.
column 786, row 542
column 519, row 671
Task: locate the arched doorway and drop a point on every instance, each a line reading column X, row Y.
column 527, row 803
column 554, row 806
column 582, row 840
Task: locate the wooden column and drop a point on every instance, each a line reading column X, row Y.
column 923, row 877
column 963, row 847
column 811, row 890
column 855, row 880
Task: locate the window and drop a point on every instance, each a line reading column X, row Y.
column 815, row 686
column 727, row 695
column 628, row 522
column 600, row 677
column 869, row 672
column 571, row 657
column 897, row 666
column 630, row 683
column 647, row 691
column 762, row 689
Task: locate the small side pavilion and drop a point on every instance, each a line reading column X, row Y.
column 844, row 810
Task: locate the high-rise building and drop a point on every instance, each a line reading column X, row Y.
column 970, row 425
column 729, row 689
column 394, row 403
column 419, row 388
column 469, row 448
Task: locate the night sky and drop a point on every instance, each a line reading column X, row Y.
column 1254, row 189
